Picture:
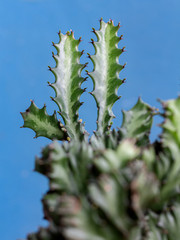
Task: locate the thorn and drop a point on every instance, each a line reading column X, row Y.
column 89, row 56
column 53, row 44
column 82, row 52
column 123, row 81
column 123, row 49
column 119, row 24
column 80, row 39
column 87, row 72
column 97, row 121
column 67, row 33
column 94, row 131
column 59, row 32
column 84, row 89
column 90, row 93
column 101, row 19
column 92, row 40
column 111, row 21
column 50, row 69
column 44, row 105
column 49, row 84
column 85, row 79
column 121, row 37
column 53, row 54
column 81, row 103
column 22, row 126
column 52, row 98
column 80, row 121
column 93, row 30
column 124, row 65
column 119, row 97
column 85, row 65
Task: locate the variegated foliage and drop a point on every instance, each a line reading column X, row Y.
column 117, row 185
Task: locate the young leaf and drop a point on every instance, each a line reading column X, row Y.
column 105, row 75
column 171, row 127
column 68, row 81
column 43, row 124
column 115, row 159
column 171, row 146
column 137, row 122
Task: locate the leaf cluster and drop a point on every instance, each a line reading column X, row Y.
column 115, row 185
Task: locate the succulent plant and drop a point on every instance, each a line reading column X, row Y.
column 115, row 185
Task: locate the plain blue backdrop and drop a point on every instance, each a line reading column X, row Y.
column 151, row 30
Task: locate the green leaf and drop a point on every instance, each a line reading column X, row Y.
column 43, row 124
column 68, row 81
column 54, row 165
column 76, row 219
column 171, row 127
column 165, row 225
column 115, row 159
column 169, row 222
column 105, row 75
column 170, row 140
column 154, row 232
column 66, row 166
column 109, row 196
column 44, row 234
column 137, row 123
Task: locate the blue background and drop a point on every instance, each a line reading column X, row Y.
column 151, row 30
